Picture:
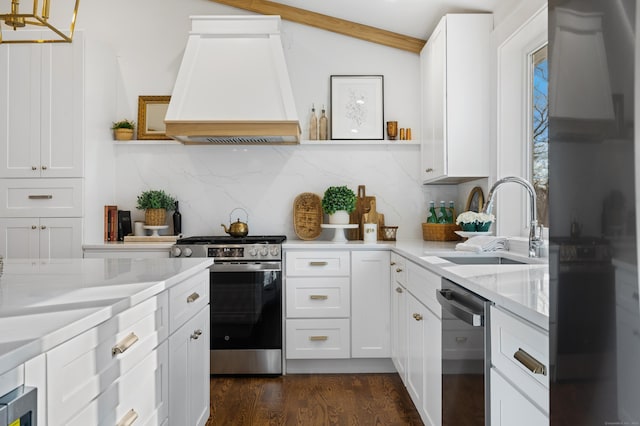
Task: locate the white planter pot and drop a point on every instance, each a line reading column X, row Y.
column 340, row 217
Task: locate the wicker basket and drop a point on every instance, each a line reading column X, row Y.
column 440, row 232
column 155, row 217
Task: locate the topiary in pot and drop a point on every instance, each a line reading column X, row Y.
column 338, row 202
column 155, row 203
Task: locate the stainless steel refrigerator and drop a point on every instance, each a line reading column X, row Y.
column 594, row 308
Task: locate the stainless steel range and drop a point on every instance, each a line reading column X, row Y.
column 246, row 301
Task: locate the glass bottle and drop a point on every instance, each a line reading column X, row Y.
column 313, row 124
column 177, row 221
column 431, row 216
column 324, row 126
column 442, row 214
column 451, row 213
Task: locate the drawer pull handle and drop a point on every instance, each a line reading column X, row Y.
column 34, row 168
column 41, row 197
column 34, row 227
column 128, row 418
column 417, row 317
column 318, row 338
column 429, row 170
column 124, row 344
column 43, row 227
column 393, row 263
column 461, row 339
column 44, row 167
column 193, row 297
column 399, row 290
column 532, row 364
column 318, row 297
column 398, row 269
column 196, row 334
column 316, row 263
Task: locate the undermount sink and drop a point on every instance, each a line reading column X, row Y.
column 483, row 260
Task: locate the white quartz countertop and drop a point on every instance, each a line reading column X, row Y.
column 45, row 303
column 522, row 289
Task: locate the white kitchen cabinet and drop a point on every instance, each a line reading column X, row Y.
column 455, row 76
column 510, row 407
column 41, row 109
column 189, row 362
column 519, row 353
column 189, row 372
column 41, row 238
column 370, row 304
column 399, row 316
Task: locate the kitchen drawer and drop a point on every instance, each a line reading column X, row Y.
column 142, row 392
column 423, row 285
column 317, row 263
column 85, row 366
column 40, row 197
column 511, row 336
column 188, row 298
column 318, row 297
column 509, row 407
column 398, row 269
column 461, row 341
column 318, row 338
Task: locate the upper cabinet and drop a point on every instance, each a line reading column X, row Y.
column 455, row 77
column 41, row 109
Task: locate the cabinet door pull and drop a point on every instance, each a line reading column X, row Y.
column 417, row 317
column 44, row 167
column 318, row 338
column 399, row 290
column 43, row 227
column 34, row 168
column 34, row 227
column 41, row 197
column 532, row 364
column 318, row 297
column 316, row 263
column 128, row 418
column 393, row 263
column 193, row 297
column 398, row 269
column 124, row 344
column 429, row 170
column 196, row 334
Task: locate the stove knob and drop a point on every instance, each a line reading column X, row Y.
column 274, row 251
column 263, row 251
column 253, row 251
column 187, row 252
column 175, row 251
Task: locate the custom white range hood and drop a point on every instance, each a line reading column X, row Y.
column 233, row 85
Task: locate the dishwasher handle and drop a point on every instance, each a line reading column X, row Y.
column 464, row 312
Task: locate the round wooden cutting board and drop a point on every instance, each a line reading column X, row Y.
column 307, row 216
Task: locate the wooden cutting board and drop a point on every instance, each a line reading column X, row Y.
column 372, row 216
column 307, row 216
column 363, row 203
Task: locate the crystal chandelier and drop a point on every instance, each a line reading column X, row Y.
column 48, row 21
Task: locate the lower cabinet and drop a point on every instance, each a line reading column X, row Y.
column 509, row 407
column 41, row 238
column 189, row 372
column 399, row 315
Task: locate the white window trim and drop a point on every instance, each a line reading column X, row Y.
column 513, row 115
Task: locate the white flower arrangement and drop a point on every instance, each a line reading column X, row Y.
column 473, row 217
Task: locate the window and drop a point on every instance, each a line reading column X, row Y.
column 539, row 140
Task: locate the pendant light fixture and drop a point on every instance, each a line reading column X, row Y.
column 38, row 21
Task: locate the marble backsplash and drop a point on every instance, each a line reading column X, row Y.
column 210, row 181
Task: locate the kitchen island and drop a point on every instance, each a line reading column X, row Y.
column 83, row 330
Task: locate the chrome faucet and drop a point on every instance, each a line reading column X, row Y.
column 535, row 238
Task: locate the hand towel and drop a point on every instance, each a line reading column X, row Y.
column 482, row 243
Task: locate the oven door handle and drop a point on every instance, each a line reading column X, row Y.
column 246, row 267
column 468, row 314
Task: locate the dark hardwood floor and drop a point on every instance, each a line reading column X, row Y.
column 311, row 399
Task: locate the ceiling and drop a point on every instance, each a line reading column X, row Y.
column 415, row 18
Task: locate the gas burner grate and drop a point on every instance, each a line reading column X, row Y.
column 227, row 239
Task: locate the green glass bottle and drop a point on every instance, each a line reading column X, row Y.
column 442, row 214
column 431, row 216
column 451, row 213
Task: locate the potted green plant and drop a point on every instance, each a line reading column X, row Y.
column 338, row 202
column 155, row 204
column 123, row 130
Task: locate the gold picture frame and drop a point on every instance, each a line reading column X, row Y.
column 475, row 201
column 151, row 113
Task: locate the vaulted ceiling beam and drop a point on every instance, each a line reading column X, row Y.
column 329, row 23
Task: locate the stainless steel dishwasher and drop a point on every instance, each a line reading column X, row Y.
column 465, row 356
column 19, row 407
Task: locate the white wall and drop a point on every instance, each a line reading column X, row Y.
column 138, row 53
